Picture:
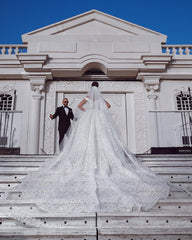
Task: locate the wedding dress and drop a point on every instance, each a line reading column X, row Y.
column 94, row 172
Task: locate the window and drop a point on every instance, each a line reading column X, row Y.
column 184, row 104
column 6, row 102
column 94, row 71
column 184, row 101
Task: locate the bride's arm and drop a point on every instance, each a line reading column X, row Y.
column 108, row 105
column 81, row 104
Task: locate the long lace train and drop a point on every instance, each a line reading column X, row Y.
column 95, row 172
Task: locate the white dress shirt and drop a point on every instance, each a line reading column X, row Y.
column 66, row 110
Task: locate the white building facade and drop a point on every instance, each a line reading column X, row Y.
column 146, row 82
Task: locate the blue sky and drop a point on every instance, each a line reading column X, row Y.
column 172, row 18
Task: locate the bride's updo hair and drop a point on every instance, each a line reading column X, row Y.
column 95, row 84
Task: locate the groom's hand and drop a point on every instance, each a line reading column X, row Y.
column 51, row 116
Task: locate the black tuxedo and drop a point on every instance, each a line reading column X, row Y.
column 64, row 120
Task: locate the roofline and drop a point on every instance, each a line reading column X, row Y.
column 89, row 12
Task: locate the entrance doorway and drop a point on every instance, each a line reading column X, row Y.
column 117, row 111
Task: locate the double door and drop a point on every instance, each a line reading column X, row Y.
column 117, row 111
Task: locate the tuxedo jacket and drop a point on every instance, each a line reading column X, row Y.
column 64, row 119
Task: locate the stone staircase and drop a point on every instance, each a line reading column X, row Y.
column 170, row 219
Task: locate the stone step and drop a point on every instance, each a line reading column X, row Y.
column 175, row 192
column 149, row 218
column 15, row 164
column 167, row 205
column 143, row 222
column 21, row 164
column 173, row 178
column 10, row 184
column 157, row 163
column 144, row 157
column 100, row 235
column 170, row 168
column 10, row 169
column 10, row 178
column 165, row 222
column 28, row 156
column 45, row 220
column 157, row 233
column 44, row 158
column 164, row 208
column 149, row 157
column 48, row 234
column 164, row 160
column 173, row 195
column 149, row 164
column 52, row 236
column 13, row 172
column 103, row 226
column 22, row 169
column 22, row 159
column 176, row 178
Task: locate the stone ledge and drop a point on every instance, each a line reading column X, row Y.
column 68, row 232
column 141, row 231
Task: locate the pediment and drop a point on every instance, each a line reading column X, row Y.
column 94, row 27
column 94, row 23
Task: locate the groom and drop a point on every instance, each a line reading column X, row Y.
column 65, row 114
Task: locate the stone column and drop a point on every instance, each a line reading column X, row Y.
column 37, row 86
column 151, row 84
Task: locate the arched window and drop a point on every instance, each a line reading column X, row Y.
column 6, row 102
column 94, row 71
column 184, row 101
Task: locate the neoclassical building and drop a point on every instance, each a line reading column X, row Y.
column 146, row 82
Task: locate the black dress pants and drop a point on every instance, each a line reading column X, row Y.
column 61, row 136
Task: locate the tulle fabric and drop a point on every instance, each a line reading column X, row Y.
column 94, row 172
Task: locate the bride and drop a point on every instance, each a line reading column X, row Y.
column 94, row 172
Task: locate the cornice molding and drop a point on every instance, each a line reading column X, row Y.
column 32, row 62
column 157, row 62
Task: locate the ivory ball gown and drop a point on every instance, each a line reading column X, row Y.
column 94, row 172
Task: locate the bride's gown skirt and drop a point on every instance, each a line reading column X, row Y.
column 95, row 172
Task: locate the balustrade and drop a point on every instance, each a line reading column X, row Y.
column 177, row 49
column 174, row 128
column 12, row 49
column 10, row 128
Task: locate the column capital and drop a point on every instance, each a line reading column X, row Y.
column 152, row 95
column 37, row 83
column 151, row 82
